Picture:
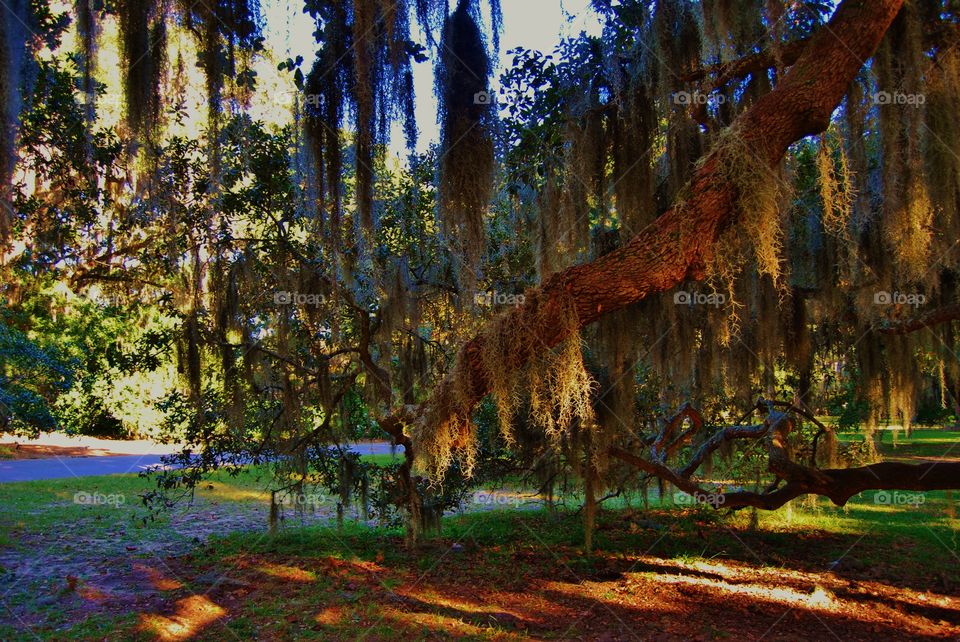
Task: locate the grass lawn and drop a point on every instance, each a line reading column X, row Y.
column 382, row 460
column 922, row 443
column 876, row 569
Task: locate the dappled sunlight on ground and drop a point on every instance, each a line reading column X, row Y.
column 643, row 595
column 157, row 579
column 191, row 615
column 285, row 572
column 331, row 615
column 214, row 490
column 489, row 604
column 819, row 599
column 917, row 508
column 456, row 622
column 92, row 593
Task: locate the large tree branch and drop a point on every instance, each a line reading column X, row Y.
column 927, row 320
column 665, row 445
column 728, row 433
column 787, row 53
column 676, row 245
column 839, row 485
column 724, row 72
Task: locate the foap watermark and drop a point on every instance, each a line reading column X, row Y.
column 108, row 300
column 897, row 498
column 682, row 297
column 90, row 99
column 495, row 498
column 288, row 98
column 97, row 498
column 298, row 298
column 883, row 297
column 298, row 500
column 899, row 98
column 714, row 500
column 696, row 98
column 483, row 98
column 491, row 298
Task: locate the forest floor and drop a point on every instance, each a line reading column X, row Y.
column 77, row 561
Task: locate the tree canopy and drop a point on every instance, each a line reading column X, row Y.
column 611, row 259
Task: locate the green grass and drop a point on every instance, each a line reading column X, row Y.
column 899, row 543
column 98, row 502
column 894, row 443
column 51, row 502
column 6, row 452
column 924, row 533
column 383, row 460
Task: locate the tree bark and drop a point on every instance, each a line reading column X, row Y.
column 13, row 50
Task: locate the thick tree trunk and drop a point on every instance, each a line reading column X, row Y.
column 409, row 494
column 676, row 245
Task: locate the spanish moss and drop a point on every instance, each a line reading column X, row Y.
column 467, row 155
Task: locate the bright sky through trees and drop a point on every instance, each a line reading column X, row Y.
column 533, row 24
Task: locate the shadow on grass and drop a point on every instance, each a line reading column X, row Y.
column 521, row 575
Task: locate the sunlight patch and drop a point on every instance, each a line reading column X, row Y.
column 285, row 572
column 819, row 599
column 193, row 614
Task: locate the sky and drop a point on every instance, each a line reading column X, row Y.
column 534, row 24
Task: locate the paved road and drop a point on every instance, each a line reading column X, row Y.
column 58, row 467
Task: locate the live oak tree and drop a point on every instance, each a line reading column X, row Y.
column 792, row 163
column 736, row 182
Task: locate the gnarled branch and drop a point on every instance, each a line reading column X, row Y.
column 837, row 484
